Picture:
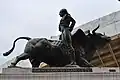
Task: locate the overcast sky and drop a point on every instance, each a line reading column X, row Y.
column 39, row 18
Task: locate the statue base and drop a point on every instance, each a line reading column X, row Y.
column 20, row 70
column 16, row 70
column 60, row 73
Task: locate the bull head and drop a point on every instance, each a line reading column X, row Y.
column 99, row 39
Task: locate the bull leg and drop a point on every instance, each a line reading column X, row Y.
column 86, row 63
column 23, row 56
column 34, row 62
column 67, row 39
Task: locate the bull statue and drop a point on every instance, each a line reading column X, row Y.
column 55, row 52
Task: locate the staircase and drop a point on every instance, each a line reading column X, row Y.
column 109, row 55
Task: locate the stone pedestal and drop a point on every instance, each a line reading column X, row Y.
column 59, row 73
column 16, row 71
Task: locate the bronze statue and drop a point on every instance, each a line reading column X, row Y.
column 65, row 27
column 55, row 53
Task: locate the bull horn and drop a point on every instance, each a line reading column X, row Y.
column 95, row 29
column 104, row 33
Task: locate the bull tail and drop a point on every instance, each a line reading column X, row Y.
column 7, row 53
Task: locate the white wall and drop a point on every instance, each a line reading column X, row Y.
column 110, row 24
